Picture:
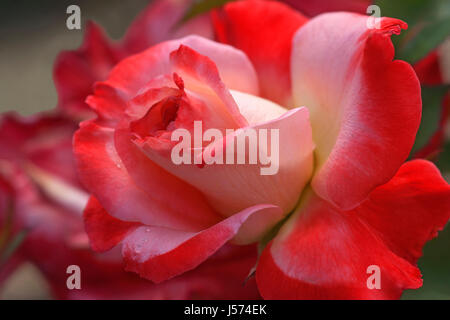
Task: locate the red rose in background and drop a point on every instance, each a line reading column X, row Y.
column 38, row 184
column 362, row 110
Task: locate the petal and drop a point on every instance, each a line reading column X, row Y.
column 264, row 31
column 76, row 71
column 107, row 102
column 157, row 253
column 160, row 22
column 134, row 72
column 365, row 107
column 324, row 253
column 417, row 202
column 255, row 109
column 104, row 231
column 105, row 175
column 428, row 70
column 231, row 187
column 200, row 75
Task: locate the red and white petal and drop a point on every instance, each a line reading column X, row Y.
column 365, row 108
column 104, row 174
column 134, row 72
column 200, row 75
column 158, row 253
column 324, row 253
column 104, row 231
column 264, row 31
column 255, row 109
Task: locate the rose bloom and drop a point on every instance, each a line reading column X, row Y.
column 343, row 199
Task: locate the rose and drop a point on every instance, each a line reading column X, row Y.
column 40, row 194
column 364, row 110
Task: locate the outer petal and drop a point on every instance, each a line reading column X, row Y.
column 365, row 108
column 324, row 253
column 104, row 231
column 158, row 253
column 264, row 31
column 159, row 22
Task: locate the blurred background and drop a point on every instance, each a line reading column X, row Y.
column 32, row 33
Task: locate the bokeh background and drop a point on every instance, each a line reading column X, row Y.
column 32, row 33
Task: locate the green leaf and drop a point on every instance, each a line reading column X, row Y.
column 202, row 6
column 431, row 113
